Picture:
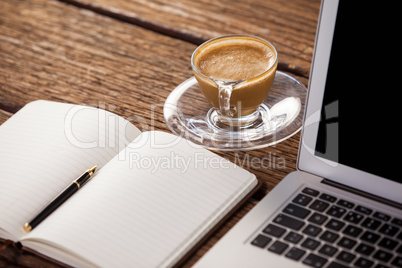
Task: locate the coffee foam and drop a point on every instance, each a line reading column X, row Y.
column 234, row 59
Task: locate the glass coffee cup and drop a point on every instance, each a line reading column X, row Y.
column 235, row 74
column 236, row 100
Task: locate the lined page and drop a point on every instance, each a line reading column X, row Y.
column 47, row 145
column 148, row 205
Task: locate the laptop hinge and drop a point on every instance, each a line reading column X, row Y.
column 362, row 193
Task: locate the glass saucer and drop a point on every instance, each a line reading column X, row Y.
column 189, row 115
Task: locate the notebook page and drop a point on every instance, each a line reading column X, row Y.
column 47, row 145
column 147, row 205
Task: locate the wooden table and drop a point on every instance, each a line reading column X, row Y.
column 128, row 55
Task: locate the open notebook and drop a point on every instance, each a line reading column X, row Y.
column 153, row 197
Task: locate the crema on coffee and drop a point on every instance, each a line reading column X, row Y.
column 234, row 59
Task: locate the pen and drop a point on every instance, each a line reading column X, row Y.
column 60, row 199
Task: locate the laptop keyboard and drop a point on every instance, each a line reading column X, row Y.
column 320, row 230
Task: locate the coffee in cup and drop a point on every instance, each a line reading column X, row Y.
column 235, row 74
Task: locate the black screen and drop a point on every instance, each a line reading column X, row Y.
column 360, row 118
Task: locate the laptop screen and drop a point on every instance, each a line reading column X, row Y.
column 359, row 125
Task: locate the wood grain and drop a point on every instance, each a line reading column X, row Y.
column 289, row 25
column 14, row 256
column 4, row 115
column 59, row 52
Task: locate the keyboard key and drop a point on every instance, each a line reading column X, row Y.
column 274, row 230
column 295, row 253
column 261, row 241
column 399, row 250
column 397, row 221
column 389, row 230
column 335, row 225
column 371, row 223
column 317, row 218
column 347, row 243
column 352, row 231
column 370, row 237
column 278, row 247
column 329, row 236
column 296, row 211
column 310, row 243
column 381, row 266
column 302, row 199
column 397, row 262
column 314, row 261
column 336, row 265
column 353, row 217
column 345, row 203
column 293, row 237
column 319, row 205
column 382, row 255
column 364, row 210
column 288, row 222
column 310, row 191
column 365, row 249
column 328, row 198
column 336, row 211
column 328, row 250
column 381, row 216
column 346, row 256
column 363, row 263
column 312, row 230
column 388, row 243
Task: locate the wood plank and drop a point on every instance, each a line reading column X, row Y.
column 289, row 25
column 58, row 52
column 4, row 115
column 13, row 256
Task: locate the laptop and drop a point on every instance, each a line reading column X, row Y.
column 342, row 207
